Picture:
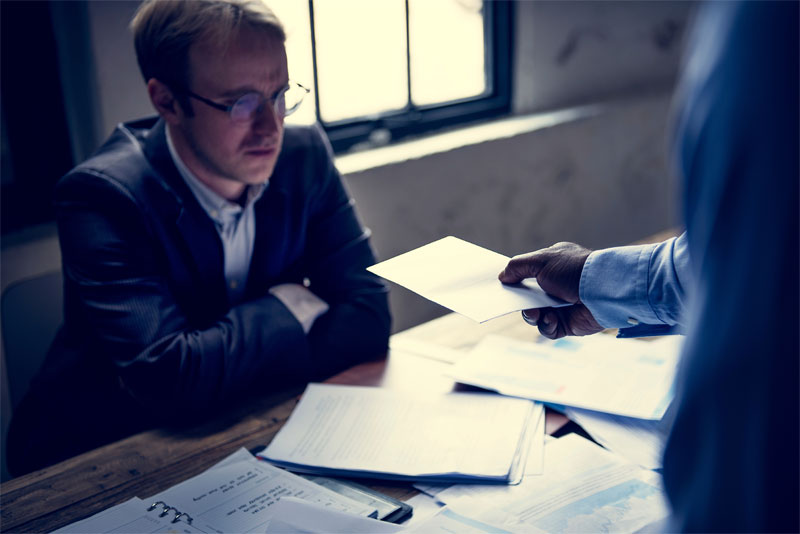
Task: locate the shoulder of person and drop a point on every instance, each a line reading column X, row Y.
column 302, row 139
column 120, row 165
column 306, row 160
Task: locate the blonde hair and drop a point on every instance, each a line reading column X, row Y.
column 164, row 30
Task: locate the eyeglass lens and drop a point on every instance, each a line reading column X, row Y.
column 284, row 103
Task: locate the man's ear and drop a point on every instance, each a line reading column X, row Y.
column 164, row 101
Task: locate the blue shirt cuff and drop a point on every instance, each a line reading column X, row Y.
column 614, row 286
column 637, row 287
column 648, row 330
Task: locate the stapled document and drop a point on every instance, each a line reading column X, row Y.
column 381, row 433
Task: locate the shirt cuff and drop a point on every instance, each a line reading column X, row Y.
column 649, row 330
column 304, row 305
column 613, row 286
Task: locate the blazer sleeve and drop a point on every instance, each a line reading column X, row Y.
column 119, row 300
column 356, row 327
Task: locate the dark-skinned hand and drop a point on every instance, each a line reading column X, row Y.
column 557, row 269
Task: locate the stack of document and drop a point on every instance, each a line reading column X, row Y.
column 616, row 376
column 236, row 495
column 584, row 489
column 294, row 516
column 373, row 432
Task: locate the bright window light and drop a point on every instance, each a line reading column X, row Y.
column 447, row 50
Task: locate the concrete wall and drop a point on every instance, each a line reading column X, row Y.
column 573, row 52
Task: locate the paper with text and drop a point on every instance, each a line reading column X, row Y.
column 296, row 516
column 463, row 277
column 618, row 376
column 584, row 489
column 237, row 496
column 364, row 431
column 129, row 516
column 293, row 516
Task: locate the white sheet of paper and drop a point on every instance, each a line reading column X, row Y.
column 637, row 440
column 584, row 489
column 447, row 521
column 535, row 465
column 424, row 507
column 463, row 277
column 296, row 516
column 368, row 431
column 129, row 516
column 426, row 349
column 618, row 376
column 238, row 495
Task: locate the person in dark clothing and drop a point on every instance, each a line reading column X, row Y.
column 208, row 253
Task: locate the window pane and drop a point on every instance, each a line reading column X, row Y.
column 361, row 57
column 447, row 50
column 294, row 16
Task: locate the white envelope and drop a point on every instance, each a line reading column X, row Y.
column 463, row 277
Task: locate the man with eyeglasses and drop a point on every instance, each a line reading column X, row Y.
column 208, row 254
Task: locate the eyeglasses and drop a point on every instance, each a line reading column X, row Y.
column 284, row 102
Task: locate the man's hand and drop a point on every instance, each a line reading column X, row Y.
column 557, row 269
column 304, row 305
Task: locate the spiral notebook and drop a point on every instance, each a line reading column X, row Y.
column 235, row 495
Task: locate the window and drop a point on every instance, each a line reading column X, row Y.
column 382, row 70
column 378, row 70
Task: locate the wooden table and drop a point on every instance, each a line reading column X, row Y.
column 153, row 461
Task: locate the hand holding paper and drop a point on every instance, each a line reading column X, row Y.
column 463, row 277
column 558, row 270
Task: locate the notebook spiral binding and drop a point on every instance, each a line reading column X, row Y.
column 166, row 509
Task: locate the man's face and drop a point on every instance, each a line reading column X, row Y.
column 221, row 151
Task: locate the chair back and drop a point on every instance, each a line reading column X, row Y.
column 31, row 311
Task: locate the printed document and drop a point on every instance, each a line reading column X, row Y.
column 584, row 489
column 237, row 495
column 463, row 277
column 296, row 516
column 376, row 432
column 129, row 516
column 637, row 440
column 619, row 376
column 293, row 516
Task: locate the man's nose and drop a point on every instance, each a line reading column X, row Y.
column 267, row 120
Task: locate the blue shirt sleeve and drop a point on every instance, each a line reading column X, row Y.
column 638, row 289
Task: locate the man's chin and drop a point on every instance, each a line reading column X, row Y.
column 257, row 175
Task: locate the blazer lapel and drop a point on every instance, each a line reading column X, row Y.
column 271, row 241
column 194, row 226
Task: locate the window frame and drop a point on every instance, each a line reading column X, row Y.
column 415, row 120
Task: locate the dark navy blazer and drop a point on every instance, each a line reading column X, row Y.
column 149, row 334
column 731, row 463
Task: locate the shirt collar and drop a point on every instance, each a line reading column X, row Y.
column 216, row 206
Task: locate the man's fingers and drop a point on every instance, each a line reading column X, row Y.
column 531, row 316
column 548, row 323
column 521, row 267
